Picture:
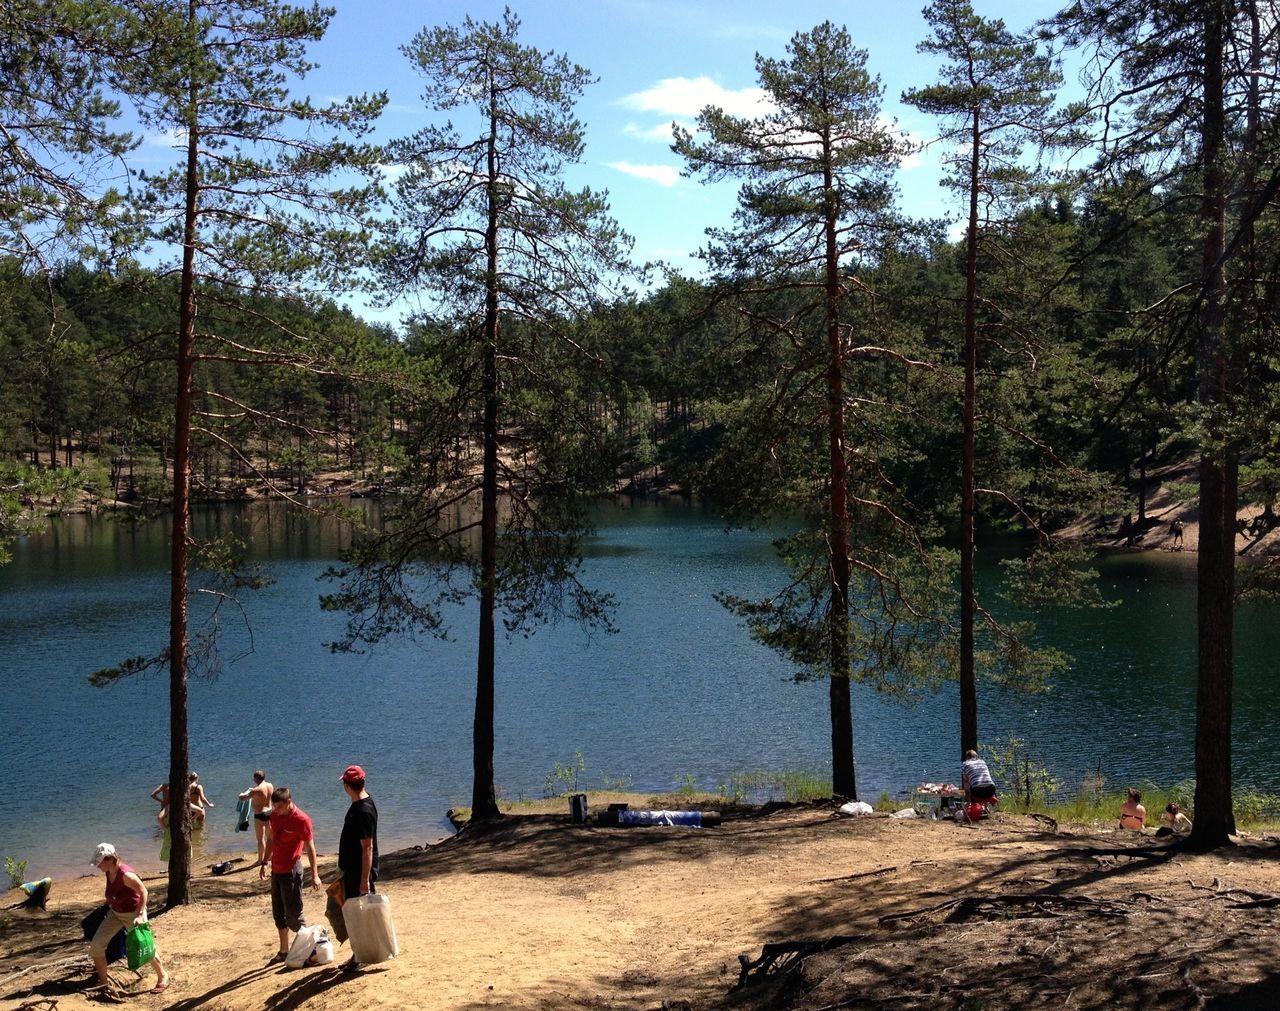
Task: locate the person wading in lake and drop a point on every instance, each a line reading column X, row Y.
column 259, row 798
column 161, row 795
column 126, row 907
column 358, row 845
column 288, row 832
column 197, row 799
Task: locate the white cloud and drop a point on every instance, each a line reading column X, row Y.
column 663, row 175
column 661, row 132
column 169, row 138
column 685, row 96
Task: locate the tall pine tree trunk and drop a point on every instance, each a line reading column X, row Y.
column 968, row 674
column 484, row 802
column 179, row 756
column 1214, row 819
column 843, row 775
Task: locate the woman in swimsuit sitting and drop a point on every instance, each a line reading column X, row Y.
column 1133, row 815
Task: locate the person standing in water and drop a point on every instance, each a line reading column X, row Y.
column 259, row 798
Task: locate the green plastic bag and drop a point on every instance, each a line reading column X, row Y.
column 140, row 945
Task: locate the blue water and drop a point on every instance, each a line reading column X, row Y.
column 679, row 691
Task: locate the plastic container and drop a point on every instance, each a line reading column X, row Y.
column 370, row 929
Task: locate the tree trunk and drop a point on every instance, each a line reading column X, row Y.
column 843, row 773
column 968, row 606
column 179, row 757
column 484, row 802
column 1214, row 821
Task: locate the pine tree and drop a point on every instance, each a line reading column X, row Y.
column 813, row 207
column 994, row 95
column 267, row 201
column 507, row 258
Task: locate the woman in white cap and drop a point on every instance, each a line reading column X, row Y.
column 127, row 906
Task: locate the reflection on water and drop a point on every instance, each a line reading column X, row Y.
column 679, row 690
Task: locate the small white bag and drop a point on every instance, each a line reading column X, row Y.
column 306, row 944
column 370, row 929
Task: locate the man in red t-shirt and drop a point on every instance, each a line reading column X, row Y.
column 288, row 831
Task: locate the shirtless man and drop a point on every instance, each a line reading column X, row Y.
column 259, row 797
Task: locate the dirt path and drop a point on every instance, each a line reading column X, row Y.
column 541, row 914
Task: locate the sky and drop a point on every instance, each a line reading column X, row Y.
column 656, row 61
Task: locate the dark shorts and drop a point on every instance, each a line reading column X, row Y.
column 286, row 898
column 982, row 792
column 262, row 815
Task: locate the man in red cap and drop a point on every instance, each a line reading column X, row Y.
column 358, row 846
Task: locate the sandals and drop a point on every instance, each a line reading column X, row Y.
column 277, row 958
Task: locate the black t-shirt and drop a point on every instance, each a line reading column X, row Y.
column 361, row 823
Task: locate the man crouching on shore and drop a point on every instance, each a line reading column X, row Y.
column 288, row 831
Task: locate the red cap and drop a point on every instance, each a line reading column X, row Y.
column 353, row 772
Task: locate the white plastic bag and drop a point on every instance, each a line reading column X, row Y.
column 856, row 808
column 370, row 928
column 304, row 946
column 324, row 953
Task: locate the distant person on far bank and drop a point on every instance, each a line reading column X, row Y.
column 358, row 846
column 975, row 779
column 1132, row 814
column 259, row 798
column 288, row 832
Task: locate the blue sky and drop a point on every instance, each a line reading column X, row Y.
column 655, row 60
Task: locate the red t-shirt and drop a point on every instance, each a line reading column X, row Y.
column 289, row 833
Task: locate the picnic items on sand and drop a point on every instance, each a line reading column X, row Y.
column 311, row 946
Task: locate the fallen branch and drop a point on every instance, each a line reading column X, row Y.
column 970, row 906
column 783, row 957
column 1185, row 972
column 856, row 877
column 63, row 963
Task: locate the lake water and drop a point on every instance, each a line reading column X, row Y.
column 679, row 691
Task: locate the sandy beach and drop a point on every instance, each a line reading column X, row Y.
column 538, row 913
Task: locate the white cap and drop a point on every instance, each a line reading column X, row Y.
column 104, row 850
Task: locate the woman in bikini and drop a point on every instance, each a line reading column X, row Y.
column 1133, row 815
column 197, row 799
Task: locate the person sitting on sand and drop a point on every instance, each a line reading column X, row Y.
column 1133, row 815
column 1175, row 821
column 127, row 907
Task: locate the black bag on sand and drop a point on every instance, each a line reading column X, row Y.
column 90, row 925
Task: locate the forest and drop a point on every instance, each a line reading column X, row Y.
column 1104, row 320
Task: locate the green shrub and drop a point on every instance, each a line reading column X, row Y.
column 16, row 870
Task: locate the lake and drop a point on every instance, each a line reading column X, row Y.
column 680, row 691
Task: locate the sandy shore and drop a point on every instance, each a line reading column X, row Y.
column 538, row 913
